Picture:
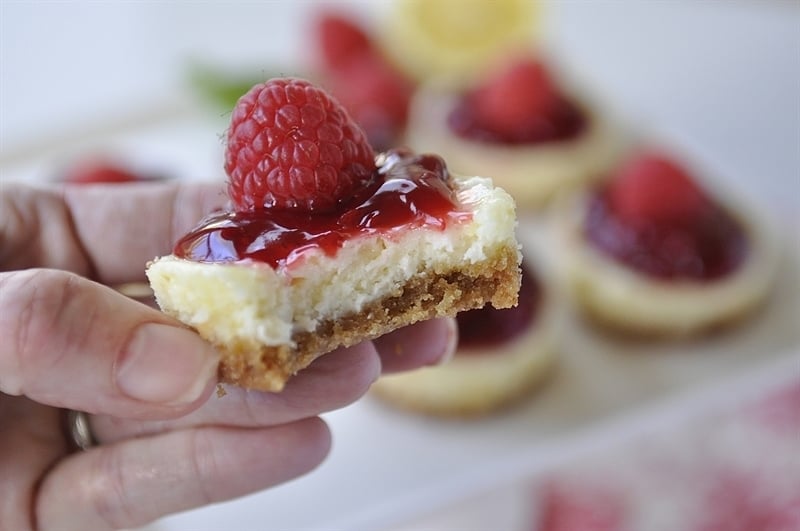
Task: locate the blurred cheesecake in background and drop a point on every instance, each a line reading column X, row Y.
column 502, row 356
column 449, row 41
column 519, row 123
column 653, row 251
column 348, row 60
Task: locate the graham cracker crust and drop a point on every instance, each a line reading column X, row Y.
column 427, row 295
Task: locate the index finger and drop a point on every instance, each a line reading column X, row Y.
column 122, row 227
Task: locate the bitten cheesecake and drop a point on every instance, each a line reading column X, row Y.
column 329, row 245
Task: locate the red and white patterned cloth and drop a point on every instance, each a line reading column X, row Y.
column 729, row 461
column 732, row 470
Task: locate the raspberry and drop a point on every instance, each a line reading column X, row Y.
column 377, row 96
column 520, row 93
column 291, row 146
column 340, row 40
column 375, row 93
column 99, row 172
column 650, row 187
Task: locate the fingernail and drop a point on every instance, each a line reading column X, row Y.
column 166, row 364
column 451, row 342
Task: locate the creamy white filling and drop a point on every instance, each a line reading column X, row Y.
column 532, row 174
column 250, row 302
column 640, row 302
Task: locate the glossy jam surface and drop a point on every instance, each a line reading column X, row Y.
column 563, row 121
column 408, row 191
column 489, row 327
column 704, row 247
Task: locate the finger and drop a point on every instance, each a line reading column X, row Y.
column 30, row 442
column 331, row 382
column 35, row 231
column 429, row 342
column 132, row 483
column 109, row 232
column 122, row 228
column 69, row 342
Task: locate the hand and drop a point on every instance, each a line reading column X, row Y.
column 166, row 443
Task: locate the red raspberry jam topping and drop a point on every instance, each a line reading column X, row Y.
column 650, row 186
column 703, row 248
column 655, row 219
column 490, row 327
column 520, row 105
column 409, row 191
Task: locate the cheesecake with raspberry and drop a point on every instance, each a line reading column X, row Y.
column 519, row 125
column 652, row 252
column 355, row 70
column 328, row 244
column 502, row 356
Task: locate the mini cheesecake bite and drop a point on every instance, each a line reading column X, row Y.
column 502, row 356
column 328, row 244
column 520, row 125
column 652, row 252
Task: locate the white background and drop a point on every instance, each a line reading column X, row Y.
column 721, row 76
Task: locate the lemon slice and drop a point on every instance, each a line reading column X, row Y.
column 453, row 39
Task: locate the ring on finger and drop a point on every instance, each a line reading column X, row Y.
column 79, row 432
